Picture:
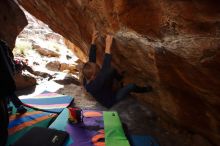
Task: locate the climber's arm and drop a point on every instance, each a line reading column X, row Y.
column 92, row 52
column 108, row 56
column 108, row 45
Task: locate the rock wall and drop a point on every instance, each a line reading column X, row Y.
column 12, row 20
column 173, row 45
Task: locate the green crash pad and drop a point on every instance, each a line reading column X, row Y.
column 114, row 133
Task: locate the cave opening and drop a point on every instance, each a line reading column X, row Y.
column 43, row 60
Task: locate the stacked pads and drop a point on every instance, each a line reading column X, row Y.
column 97, row 129
column 47, row 101
column 20, row 124
column 42, row 110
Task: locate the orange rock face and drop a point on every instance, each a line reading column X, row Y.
column 12, row 20
column 173, row 45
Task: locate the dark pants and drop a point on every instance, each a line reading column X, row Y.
column 15, row 100
column 111, row 74
column 3, row 122
column 124, row 91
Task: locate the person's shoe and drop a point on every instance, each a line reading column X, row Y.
column 21, row 110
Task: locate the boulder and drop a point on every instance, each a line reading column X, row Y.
column 45, row 51
column 76, row 50
column 24, row 81
column 58, row 66
column 12, row 20
column 69, row 79
column 70, row 67
column 172, row 45
column 53, row 65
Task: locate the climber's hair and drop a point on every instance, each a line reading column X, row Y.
column 90, row 70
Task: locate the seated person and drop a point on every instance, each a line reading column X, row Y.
column 99, row 82
column 12, row 96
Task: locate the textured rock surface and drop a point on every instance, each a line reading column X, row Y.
column 45, row 51
column 173, row 45
column 24, row 81
column 12, row 21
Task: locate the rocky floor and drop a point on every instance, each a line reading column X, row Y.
column 138, row 118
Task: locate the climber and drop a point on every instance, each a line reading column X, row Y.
column 99, row 82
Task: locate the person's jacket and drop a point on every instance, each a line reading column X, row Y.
column 101, row 86
column 7, row 83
